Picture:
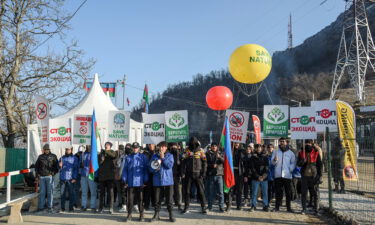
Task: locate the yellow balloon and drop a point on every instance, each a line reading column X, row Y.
column 250, row 64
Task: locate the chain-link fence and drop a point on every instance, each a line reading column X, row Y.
column 353, row 200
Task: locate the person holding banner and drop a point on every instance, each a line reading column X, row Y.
column 68, row 176
column 161, row 167
column 194, row 168
column 87, row 183
column 46, row 166
column 106, row 176
column 284, row 161
column 135, row 175
column 311, row 171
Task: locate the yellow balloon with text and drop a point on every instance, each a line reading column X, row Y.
column 250, row 64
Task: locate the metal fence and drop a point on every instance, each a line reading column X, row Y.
column 12, row 159
column 357, row 200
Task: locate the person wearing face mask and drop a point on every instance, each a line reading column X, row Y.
column 284, row 161
column 259, row 171
column 194, row 167
column 311, row 171
column 177, row 186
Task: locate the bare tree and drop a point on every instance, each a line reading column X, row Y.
column 26, row 70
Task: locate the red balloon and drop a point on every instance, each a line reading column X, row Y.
column 219, row 98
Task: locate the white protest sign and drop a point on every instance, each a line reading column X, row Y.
column 154, row 128
column 82, row 129
column 118, row 125
column 238, row 123
column 325, row 115
column 302, row 123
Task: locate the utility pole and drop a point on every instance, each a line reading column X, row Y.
column 356, row 51
column 290, row 35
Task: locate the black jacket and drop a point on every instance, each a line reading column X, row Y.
column 259, row 166
column 107, row 163
column 247, row 164
column 194, row 162
column 177, row 160
column 212, row 159
column 46, row 165
column 238, row 161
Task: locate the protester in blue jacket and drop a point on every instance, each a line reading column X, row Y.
column 161, row 166
column 87, row 183
column 68, row 176
column 134, row 176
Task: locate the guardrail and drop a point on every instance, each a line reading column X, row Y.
column 9, row 175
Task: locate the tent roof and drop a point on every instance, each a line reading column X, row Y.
column 95, row 98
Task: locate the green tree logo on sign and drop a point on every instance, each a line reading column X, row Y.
column 62, row 131
column 155, row 126
column 176, row 120
column 276, row 115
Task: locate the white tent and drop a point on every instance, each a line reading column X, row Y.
column 98, row 100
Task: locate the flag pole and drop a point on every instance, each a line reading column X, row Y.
column 123, row 92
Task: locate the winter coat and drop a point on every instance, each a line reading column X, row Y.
column 310, row 161
column 194, row 162
column 107, row 165
column 84, row 162
column 214, row 158
column 135, row 172
column 177, row 158
column 285, row 164
column 271, row 169
column 164, row 175
column 258, row 166
column 239, row 161
column 46, row 165
column 69, row 168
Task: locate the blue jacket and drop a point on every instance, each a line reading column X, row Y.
column 135, row 172
column 163, row 176
column 69, row 168
column 85, row 160
column 271, row 169
column 285, row 164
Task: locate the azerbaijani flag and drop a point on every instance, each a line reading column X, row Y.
column 145, row 98
column 95, row 147
column 110, row 87
column 229, row 180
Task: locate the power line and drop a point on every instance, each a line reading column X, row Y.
column 59, row 27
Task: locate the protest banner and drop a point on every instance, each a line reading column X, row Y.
column 82, row 129
column 275, row 120
column 177, row 126
column 154, row 128
column 325, row 115
column 302, row 123
column 118, row 125
column 238, row 123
